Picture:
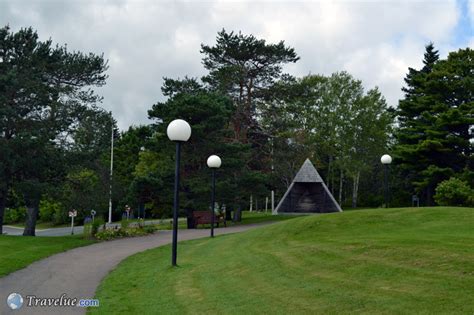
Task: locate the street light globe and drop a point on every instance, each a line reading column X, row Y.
column 214, row 161
column 179, row 130
column 386, row 159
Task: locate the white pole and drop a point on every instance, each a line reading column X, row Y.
column 266, row 204
column 72, row 225
column 273, row 202
column 273, row 192
column 111, row 168
column 251, row 204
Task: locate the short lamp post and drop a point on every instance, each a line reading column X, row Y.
column 386, row 160
column 213, row 162
column 178, row 131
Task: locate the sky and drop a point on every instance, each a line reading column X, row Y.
column 144, row 41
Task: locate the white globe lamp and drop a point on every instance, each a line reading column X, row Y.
column 179, row 130
column 214, row 161
column 386, row 159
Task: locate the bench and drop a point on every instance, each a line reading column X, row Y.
column 204, row 217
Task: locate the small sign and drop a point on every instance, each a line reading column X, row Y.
column 72, row 213
column 93, row 213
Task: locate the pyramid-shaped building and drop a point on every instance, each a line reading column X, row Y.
column 307, row 194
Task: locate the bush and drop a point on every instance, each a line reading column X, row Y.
column 95, row 226
column 87, row 234
column 149, row 229
column 109, row 234
column 14, row 215
column 51, row 211
column 454, row 192
column 124, row 224
column 112, row 233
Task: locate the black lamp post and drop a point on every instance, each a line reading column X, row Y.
column 213, row 162
column 386, row 160
column 178, row 131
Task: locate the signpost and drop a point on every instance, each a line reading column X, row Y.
column 72, row 215
column 93, row 213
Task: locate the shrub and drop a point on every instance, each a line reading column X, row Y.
column 454, row 192
column 149, row 229
column 95, row 226
column 124, row 224
column 51, row 211
column 14, row 215
column 109, row 234
column 112, row 233
column 87, row 234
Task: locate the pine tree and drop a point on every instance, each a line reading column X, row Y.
column 434, row 119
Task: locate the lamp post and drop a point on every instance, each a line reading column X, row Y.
column 386, row 160
column 213, row 162
column 142, row 149
column 111, row 168
column 178, row 131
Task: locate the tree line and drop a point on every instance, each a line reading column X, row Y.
column 263, row 122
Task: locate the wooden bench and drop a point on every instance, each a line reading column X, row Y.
column 204, row 217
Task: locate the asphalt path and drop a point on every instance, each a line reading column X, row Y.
column 63, row 231
column 13, row 230
column 78, row 272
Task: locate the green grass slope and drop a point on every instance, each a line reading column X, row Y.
column 17, row 252
column 395, row 261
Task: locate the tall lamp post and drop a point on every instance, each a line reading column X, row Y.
column 111, row 169
column 213, row 162
column 178, row 131
column 386, row 160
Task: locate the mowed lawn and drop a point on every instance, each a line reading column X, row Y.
column 395, row 261
column 18, row 252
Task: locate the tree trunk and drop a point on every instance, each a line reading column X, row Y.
column 228, row 214
column 191, row 224
column 429, row 195
column 355, row 190
column 332, row 183
column 341, row 179
column 238, row 214
column 3, row 202
column 328, row 179
column 32, row 210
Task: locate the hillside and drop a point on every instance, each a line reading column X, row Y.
column 410, row 260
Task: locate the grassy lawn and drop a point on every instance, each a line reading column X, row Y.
column 20, row 251
column 383, row 261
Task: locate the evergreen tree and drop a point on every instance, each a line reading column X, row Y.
column 243, row 68
column 42, row 90
column 434, row 121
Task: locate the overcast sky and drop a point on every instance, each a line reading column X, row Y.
column 144, row 41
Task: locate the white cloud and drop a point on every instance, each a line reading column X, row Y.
column 147, row 40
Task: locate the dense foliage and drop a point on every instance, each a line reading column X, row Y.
column 454, row 192
column 262, row 121
column 45, row 95
column 435, row 137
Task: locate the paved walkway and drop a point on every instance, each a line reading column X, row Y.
column 13, row 230
column 79, row 271
column 63, row 231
